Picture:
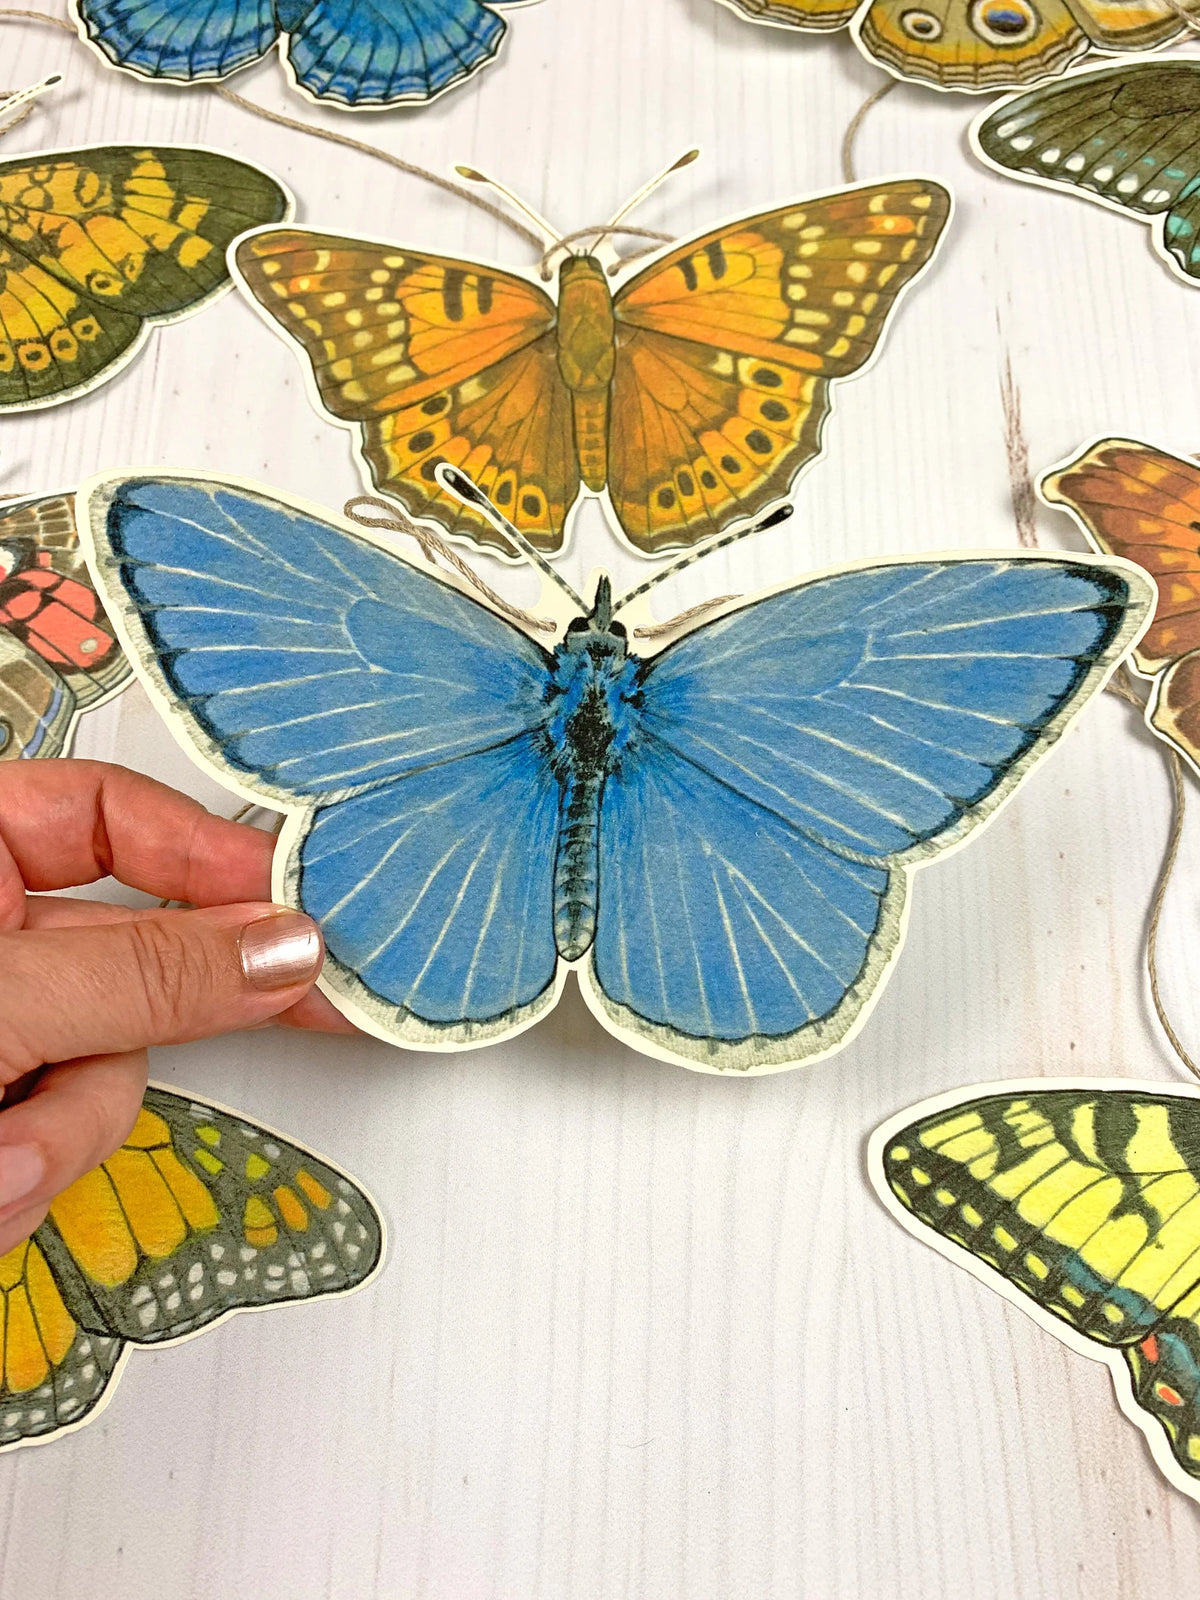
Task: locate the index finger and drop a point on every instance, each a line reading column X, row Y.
column 65, row 823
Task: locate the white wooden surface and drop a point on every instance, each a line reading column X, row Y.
column 645, row 1333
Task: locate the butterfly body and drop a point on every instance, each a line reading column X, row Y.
column 1080, row 1202
column 690, row 398
column 593, row 698
column 587, row 339
column 716, row 837
column 358, row 54
column 58, row 654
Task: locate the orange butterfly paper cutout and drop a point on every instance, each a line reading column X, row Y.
column 1133, row 500
column 690, row 399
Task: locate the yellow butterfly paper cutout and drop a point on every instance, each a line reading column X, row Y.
column 98, row 245
column 1078, row 1201
column 979, row 46
column 690, row 399
column 199, row 1214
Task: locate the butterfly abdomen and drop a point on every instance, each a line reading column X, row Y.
column 586, row 358
column 594, row 698
column 577, row 866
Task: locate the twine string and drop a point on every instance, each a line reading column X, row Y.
column 1179, row 808
column 390, row 519
column 856, row 123
column 656, row 629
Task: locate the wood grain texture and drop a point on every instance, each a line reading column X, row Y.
column 646, row 1335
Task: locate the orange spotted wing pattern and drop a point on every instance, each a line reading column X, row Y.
column 696, row 393
column 199, row 1213
column 1133, row 500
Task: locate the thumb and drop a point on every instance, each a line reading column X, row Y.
column 101, row 990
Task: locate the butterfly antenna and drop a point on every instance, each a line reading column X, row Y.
column 771, row 521
column 22, row 97
column 549, row 237
column 685, row 160
column 470, row 494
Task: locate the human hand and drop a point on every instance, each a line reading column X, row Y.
column 86, row 987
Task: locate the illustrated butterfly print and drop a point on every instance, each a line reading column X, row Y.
column 691, row 398
column 1080, row 1203
column 978, row 46
column 1126, row 135
column 717, row 837
column 1136, row 501
column 99, row 245
column 58, row 656
column 200, row 1213
column 361, row 54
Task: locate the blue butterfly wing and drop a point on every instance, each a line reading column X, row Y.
column 183, row 40
column 852, row 725
column 723, row 932
column 435, row 896
column 381, row 52
column 316, row 668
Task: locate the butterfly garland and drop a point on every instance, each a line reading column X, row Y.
column 1135, row 501
column 362, row 55
column 1079, row 1201
column 976, row 46
column 717, row 837
column 199, row 1214
column 690, row 399
column 99, row 245
column 1126, row 135
column 58, row 655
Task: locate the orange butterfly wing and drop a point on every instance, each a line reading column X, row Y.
column 727, row 346
column 1142, row 503
column 435, row 360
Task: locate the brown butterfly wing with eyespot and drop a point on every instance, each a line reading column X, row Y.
column 727, row 346
column 1141, row 503
column 971, row 45
column 436, row 360
column 984, row 45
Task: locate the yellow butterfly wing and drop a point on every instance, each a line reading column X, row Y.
column 198, row 1214
column 727, row 347
column 435, row 360
column 96, row 245
column 818, row 16
column 1086, row 1201
column 1133, row 24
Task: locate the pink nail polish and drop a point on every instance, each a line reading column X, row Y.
column 22, row 1169
column 279, row 950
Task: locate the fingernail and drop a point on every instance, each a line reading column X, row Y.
column 279, row 950
column 21, row 1170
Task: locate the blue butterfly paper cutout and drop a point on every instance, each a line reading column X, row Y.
column 718, row 837
column 357, row 53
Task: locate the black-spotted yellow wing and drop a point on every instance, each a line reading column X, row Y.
column 99, row 245
column 199, row 1214
column 1080, row 1202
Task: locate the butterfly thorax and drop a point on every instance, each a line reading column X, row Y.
column 586, row 358
column 594, row 703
